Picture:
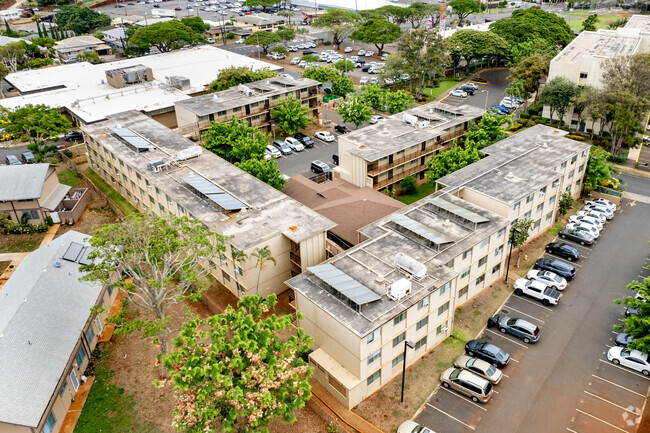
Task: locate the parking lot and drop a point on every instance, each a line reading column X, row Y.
column 565, row 382
column 299, row 162
column 488, row 94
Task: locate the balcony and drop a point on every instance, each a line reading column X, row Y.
column 295, row 259
column 396, row 178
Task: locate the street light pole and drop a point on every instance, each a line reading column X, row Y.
column 258, row 45
column 512, row 241
column 487, row 93
column 412, row 346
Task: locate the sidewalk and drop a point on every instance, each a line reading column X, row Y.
column 51, row 232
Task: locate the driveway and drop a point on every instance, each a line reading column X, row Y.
column 488, row 94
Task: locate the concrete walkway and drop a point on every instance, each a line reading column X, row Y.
column 51, row 232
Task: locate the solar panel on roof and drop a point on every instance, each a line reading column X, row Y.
column 214, row 193
column 344, row 284
column 203, row 185
column 457, row 210
column 83, row 258
column 73, row 252
column 132, row 139
column 123, row 132
column 420, row 229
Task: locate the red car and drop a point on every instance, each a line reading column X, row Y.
column 342, row 129
column 178, row 9
column 248, row 13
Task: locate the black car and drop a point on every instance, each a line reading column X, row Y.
column 623, row 339
column 28, row 157
column 335, row 159
column 563, row 250
column 365, row 68
column 304, row 139
column 578, row 236
column 487, row 352
column 469, row 90
column 342, row 129
column 73, row 136
column 561, row 268
column 308, row 51
column 327, row 90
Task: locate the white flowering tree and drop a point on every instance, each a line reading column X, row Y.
column 233, row 371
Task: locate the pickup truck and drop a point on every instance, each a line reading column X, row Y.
column 537, row 290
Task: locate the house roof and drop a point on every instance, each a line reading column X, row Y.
column 22, row 182
column 77, row 42
column 54, row 198
column 43, row 310
column 349, row 206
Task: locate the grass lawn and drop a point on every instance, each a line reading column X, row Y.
column 70, row 178
column 20, row 243
column 423, row 190
column 126, row 207
column 576, row 25
column 444, row 86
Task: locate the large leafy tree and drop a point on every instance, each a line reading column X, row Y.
column 377, row 31
column 530, row 70
column 286, row 34
column 557, row 94
column 533, row 23
column 235, row 75
column 344, row 66
column 234, row 372
column 196, row 24
column 488, row 130
column 160, row 260
column 291, row 115
column 354, row 110
column 580, row 101
column 519, row 234
column 324, row 74
column 165, row 36
column 589, row 24
column 598, row 168
column 397, row 101
column 394, row 14
column 11, row 55
column 342, row 86
column 266, row 171
column 80, row 19
column 464, row 8
column 419, row 13
column 565, row 204
column 374, row 95
column 262, row 258
column 638, row 326
column 339, row 24
column 264, row 3
column 264, row 39
column 473, row 44
column 235, row 141
column 451, row 160
column 38, row 125
column 532, row 46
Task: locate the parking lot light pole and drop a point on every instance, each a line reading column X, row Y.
column 487, row 93
column 412, row 346
column 512, row 241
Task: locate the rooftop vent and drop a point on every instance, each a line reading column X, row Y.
column 246, row 90
column 57, row 264
column 155, row 165
column 399, row 289
column 410, row 119
column 190, row 152
column 410, row 265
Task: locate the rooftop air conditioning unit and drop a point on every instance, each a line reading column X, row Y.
column 410, row 265
column 190, row 152
column 423, row 124
column 399, row 289
column 154, row 165
column 410, row 119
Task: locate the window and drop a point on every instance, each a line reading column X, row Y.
column 444, row 307
column 397, row 320
column 568, row 188
column 74, row 380
column 397, row 340
column 374, row 356
column 151, row 200
column 226, row 277
column 571, row 174
column 563, row 165
column 30, row 214
column 540, row 207
column 462, row 292
column 157, row 190
column 515, row 208
column 465, row 272
column 485, row 242
column 420, row 343
column 583, row 75
column 498, row 251
column 574, row 159
column 398, row 360
column 480, row 279
column 549, row 216
column 423, row 303
column 529, row 198
column 373, row 377
column 181, row 209
column 440, row 328
column 50, row 422
column 578, row 184
column 63, row 388
column 543, row 190
column 536, row 224
column 482, row 261
column 501, row 232
column 90, row 335
column 422, row 323
column 450, row 264
column 236, row 109
column 582, row 167
column 162, row 208
column 221, row 113
column 109, row 289
column 444, row 288
column 467, row 253
column 527, row 215
column 376, row 334
column 496, row 268
column 551, row 200
column 81, row 355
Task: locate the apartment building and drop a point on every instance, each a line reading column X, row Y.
column 48, row 333
column 260, row 21
column 422, row 262
column 252, row 102
column 582, row 60
column 161, row 172
column 381, row 155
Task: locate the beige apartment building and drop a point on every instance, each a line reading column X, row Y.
column 422, row 262
column 162, row 172
column 582, row 60
column 48, row 333
column 252, row 102
column 260, row 21
column 381, row 155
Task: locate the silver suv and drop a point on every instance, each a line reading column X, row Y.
column 469, row 384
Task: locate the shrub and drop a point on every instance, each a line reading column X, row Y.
column 516, row 127
column 535, row 110
column 575, row 137
column 618, row 159
column 327, row 43
column 523, row 122
column 230, row 35
column 310, row 58
column 39, row 63
column 408, row 185
column 524, row 116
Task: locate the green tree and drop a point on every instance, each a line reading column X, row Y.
column 394, row 14
column 598, row 168
column 235, row 75
column 37, row 125
column 196, row 24
column 161, row 262
column 90, row 57
column 80, row 19
column 397, row 101
column 557, row 94
column 280, row 49
column 43, row 42
column 377, row 31
column 342, row 86
column 235, row 141
column 264, row 3
column 165, row 36
column 12, row 54
column 532, row 46
column 291, row 115
column 408, row 185
column 488, row 130
column 9, row 32
column 580, row 101
column 473, row 44
column 451, row 160
column 262, row 258
column 519, row 234
column 418, row 13
column 286, row 34
column 339, row 24
column 354, row 110
column 565, row 204
column 517, row 89
column 344, row 66
column 266, row 171
column 637, row 326
column 4, row 71
column 324, row 74
column 263, row 39
column 98, row 34
column 530, row 70
column 375, row 96
column 287, row 14
column 309, row 58
column 238, row 258
column 464, row 8
column 532, row 23
column 589, row 24
column 618, row 23
column 235, row 370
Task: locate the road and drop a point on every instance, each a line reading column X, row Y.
column 492, row 92
column 635, row 184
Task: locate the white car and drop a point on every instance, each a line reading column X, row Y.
column 273, row 151
column 459, row 93
column 602, row 202
column 597, row 216
column 325, row 136
column 384, row 57
column 363, row 80
column 508, row 104
column 389, row 80
column 586, row 220
column 210, row 40
column 377, row 119
column 593, row 231
column 361, row 53
column 609, row 214
column 239, row 41
column 374, row 80
column 267, row 155
column 549, row 278
column 633, row 359
column 294, row 144
column 472, row 85
column 295, row 60
column 412, row 427
column 370, row 53
column 302, row 64
column 348, row 49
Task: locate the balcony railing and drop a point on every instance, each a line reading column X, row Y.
column 399, row 176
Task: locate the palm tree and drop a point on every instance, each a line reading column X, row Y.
column 238, row 258
column 262, row 257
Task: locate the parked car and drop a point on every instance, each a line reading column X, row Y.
column 575, row 235
column 480, row 368
column 325, row 136
column 282, row 147
column 12, row 160
column 412, row 427
column 361, row 53
column 556, row 266
column 335, row 159
column 319, row 167
column 374, row 80
column 601, row 202
column 363, row 80
column 508, row 104
column 377, row 119
column 467, row 383
column 468, row 89
column 595, row 215
column 551, row 279
column 273, row 151
column 210, row 40
column 342, row 129
column 586, row 220
column 632, row 359
column 563, row 250
column 28, row 157
column 501, row 109
column 473, row 85
column 623, row 340
column 587, row 228
column 487, row 352
column 528, row 332
column 304, row 139
column 268, row 155
column 537, row 290
column 73, row 136
column 295, row 61
column 348, row 49
column 459, row 93
column 308, row 51
column 303, row 64
column 238, row 41
column 609, row 214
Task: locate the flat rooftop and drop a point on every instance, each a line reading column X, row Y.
column 517, row 165
column 641, row 22
column 260, row 91
column 434, row 119
column 82, row 90
column 603, row 44
column 268, row 211
column 372, row 263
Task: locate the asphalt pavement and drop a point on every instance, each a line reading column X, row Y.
column 635, row 184
column 488, row 94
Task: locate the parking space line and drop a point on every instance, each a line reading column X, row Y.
column 603, row 421
column 522, row 297
column 513, row 359
column 452, row 417
column 525, row 314
column 607, row 401
column 464, row 399
column 507, row 338
column 624, row 369
column 619, row 386
column 572, row 431
column 505, row 375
